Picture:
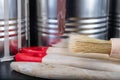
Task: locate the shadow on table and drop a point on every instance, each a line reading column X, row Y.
column 18, row 76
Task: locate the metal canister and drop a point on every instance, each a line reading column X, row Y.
column 114, row 19
column 87, row 17
column 13, row 27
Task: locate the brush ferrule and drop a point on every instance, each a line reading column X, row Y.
column 115, row 50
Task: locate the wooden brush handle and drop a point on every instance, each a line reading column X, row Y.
column 80, row 62
column 80, row 43
column 55, row 71
column 65, row 51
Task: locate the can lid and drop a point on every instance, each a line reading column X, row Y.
column 115, row 50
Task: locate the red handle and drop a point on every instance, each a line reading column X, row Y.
column 31, row 54
column 41, row 51
column 27, row 58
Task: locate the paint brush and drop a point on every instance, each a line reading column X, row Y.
column 85, row 44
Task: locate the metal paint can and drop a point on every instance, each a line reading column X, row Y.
column 13, row 27
column 114, row 19
column 87, row 17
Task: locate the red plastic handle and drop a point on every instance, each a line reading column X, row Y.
column 27, row 58
column 34, row 50
column 31, row 54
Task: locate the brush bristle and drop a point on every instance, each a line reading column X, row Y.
column 85, row 44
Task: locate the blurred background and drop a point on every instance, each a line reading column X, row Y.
column 82, row 16
column 34, row 22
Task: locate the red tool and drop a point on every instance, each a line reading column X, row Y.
column 31, row 54
column 45, row 55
